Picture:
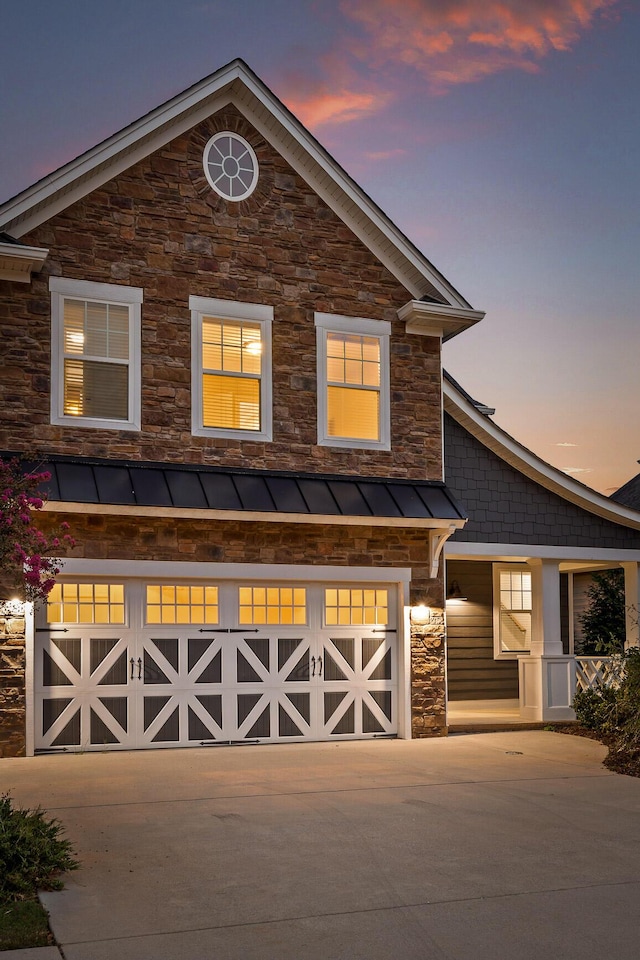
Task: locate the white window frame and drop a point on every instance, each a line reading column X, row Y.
column 62, row 288
column 230, row 310
column 381, row 330
column 498, row 568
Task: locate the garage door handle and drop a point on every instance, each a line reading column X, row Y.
column 132, row 662
column 313, row 666
column 139, row 668
column 319, row 666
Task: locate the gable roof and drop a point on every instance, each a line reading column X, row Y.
column 629, row 493
column 236, row 84
column 473, row 417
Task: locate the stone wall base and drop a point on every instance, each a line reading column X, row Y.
column 12, row 685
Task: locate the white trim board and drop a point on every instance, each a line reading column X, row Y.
column 457, row 550
column 209, row 570
column 192, row 513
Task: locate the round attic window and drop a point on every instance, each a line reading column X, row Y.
column 230, row 166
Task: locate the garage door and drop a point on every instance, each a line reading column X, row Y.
column 133, row 664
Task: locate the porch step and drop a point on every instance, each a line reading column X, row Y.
column 495, row 726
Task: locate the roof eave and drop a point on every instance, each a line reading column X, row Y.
column 436, row 319
column 19, row 262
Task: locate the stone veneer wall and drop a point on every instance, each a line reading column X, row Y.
column 159, row 226
column 428, row 674
column 12, row 685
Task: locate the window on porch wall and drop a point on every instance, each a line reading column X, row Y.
column 512, row 622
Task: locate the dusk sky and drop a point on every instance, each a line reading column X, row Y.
column 502, row 136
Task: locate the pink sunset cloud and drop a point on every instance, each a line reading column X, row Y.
column 325, row 106
column 462, row 41
column 446, row 42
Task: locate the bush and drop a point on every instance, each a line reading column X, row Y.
column 33, row 852
column 593, row 707
column 614, row 713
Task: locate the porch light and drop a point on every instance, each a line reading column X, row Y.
column 420, row 614
column 454, row 592
column 12, row 608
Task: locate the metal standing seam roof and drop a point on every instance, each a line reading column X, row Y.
column 76, row 480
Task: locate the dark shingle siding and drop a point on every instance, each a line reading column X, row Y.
column 504, row 506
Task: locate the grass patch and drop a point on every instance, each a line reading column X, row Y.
column 23, row 924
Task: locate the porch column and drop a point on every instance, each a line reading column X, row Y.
column 547, row 675
column 631, row 604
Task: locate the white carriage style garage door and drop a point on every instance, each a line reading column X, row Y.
column 154, row 664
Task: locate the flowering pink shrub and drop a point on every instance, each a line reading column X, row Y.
column 25, row 560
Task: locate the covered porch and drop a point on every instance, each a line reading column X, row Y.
column 512, row 615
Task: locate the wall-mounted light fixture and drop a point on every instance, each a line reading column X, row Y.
column 12, row 608
column 420, row 614
column 454, row 592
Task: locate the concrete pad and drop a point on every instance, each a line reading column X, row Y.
column 376, row 849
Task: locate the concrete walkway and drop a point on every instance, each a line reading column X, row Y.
column 503, row 845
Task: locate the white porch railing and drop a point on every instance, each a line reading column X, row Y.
column 593, row 673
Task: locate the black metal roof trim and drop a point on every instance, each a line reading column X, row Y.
column 144, row 484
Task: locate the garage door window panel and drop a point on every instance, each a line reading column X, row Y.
column 181, row 604
column 98, row 603
column 285, row 606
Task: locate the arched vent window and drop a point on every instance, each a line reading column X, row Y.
column 230, row 166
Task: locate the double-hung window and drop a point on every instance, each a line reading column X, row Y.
column 513, row 610
column 353, row 382
column 231, row 368
column 95, row 348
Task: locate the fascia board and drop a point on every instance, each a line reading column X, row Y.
column 136, row 141
column 526, row 462
column 92, row 170
column 176, row 114
column 189, row 513
column 372, row 214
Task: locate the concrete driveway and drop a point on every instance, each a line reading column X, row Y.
column 508, row 845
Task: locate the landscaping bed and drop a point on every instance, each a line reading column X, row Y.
column 33, row 855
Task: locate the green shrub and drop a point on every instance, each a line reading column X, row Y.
column 614, row 712
column 593, row 707
column 33, row 852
